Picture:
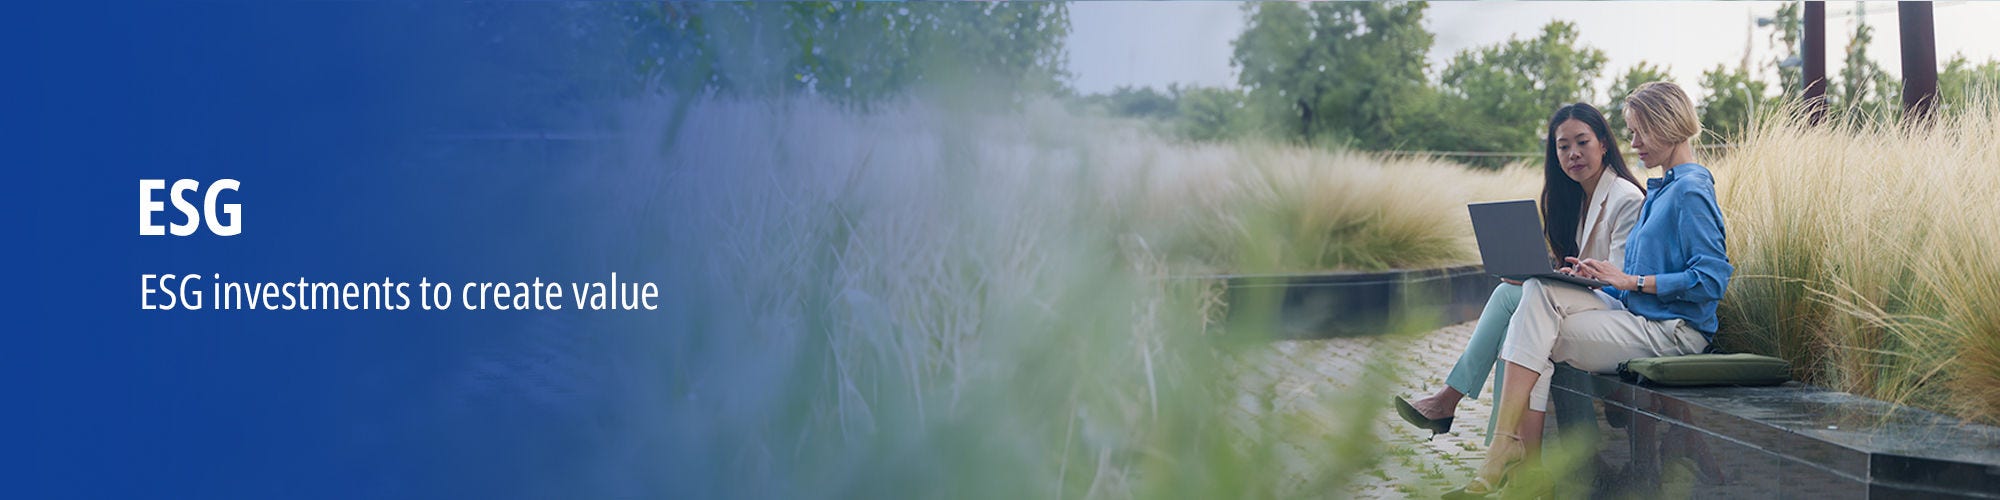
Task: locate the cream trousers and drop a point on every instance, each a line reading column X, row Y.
column 1558, row 322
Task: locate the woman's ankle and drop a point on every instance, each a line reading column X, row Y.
column 1442, row 404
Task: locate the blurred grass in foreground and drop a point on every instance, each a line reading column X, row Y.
column 1869, row 255
column 916, row 303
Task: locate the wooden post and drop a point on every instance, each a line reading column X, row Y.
column 1815, row 54
column 1919, row 60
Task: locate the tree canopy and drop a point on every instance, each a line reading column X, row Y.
column 1340, row 74
column 1337, row 72
column 1354, row 75
column 1517, row 84
column 1639, row 74
column 848, row 52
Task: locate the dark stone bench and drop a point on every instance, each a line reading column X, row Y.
column 1788, row 441
column 1318, row 305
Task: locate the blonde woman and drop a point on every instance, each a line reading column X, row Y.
column 1675, row 272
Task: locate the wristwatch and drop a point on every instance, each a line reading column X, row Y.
column 1642, row 284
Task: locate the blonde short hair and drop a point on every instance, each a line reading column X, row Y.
column 1665, row 112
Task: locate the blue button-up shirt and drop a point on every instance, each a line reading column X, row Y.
column 1679, row 241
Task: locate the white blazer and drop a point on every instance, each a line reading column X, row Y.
column 1609, row 217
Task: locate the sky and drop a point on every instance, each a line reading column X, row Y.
column 1158, row 43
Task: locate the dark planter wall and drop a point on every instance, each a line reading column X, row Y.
column 1324, row 305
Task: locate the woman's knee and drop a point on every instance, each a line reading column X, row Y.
column 1505, row 298
column 1533, row 286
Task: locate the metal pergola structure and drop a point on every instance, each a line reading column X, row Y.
column 1919, row 46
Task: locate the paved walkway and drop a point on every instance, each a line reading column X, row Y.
column 1321, row 386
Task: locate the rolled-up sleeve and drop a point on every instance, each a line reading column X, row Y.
column 1705, row 276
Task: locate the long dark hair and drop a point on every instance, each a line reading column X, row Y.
column 1562, row 198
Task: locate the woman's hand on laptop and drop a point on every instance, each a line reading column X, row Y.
column 1601, row 271
column 1569, row 270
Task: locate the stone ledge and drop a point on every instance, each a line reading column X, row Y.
column 1792, row 440
column 1320, row 305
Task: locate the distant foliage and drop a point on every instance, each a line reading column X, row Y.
column 1961, row 83
column 1342, row 75
column 852, row 53
column 1787, row 27
column 1338, row 72
column 1864, row 92
column 1212, row 113
column 1515, row 85
column 1352, row 75
column 1136, row 102
column 1734, row 100
column 1638, row 74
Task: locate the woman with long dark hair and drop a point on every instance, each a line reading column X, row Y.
column 1589, row 203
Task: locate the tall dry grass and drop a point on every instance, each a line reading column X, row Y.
column 1317, row 210
column 1869, row 255
column 915, row 302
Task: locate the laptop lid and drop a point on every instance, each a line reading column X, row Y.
column 1510, row 238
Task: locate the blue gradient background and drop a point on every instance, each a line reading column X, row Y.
column 339, row 120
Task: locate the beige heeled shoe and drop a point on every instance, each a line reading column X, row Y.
column 1506, row 454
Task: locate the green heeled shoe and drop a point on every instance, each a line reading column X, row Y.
column 1417, row 418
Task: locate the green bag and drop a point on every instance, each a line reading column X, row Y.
column 1707, row 369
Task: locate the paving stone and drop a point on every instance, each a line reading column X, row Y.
column 1308, row 381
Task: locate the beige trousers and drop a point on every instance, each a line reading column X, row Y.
column 1559, row 322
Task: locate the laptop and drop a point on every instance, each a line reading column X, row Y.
column 1511, row 244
